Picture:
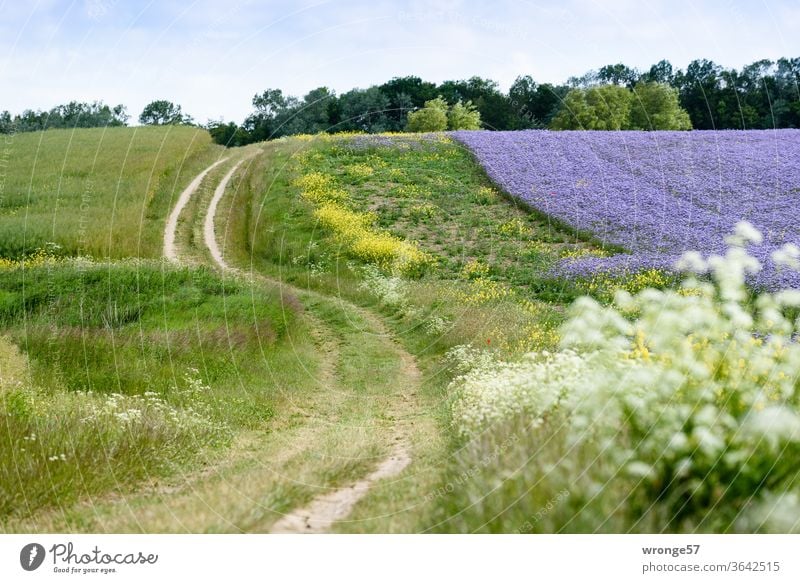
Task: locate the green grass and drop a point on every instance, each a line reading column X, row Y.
column 130, row 371
column 271, row 230
column 285, row 401
column 490, row 289
column 531, row 479
column 434, row 193
column 98, row 192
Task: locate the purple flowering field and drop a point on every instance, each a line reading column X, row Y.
column 656, row 194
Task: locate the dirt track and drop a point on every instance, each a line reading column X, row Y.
column 324, row 510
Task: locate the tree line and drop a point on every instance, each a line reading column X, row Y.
column 764, row 94
column 70, row 115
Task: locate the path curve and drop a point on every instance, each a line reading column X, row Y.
column 328, row 508
column 170, row 251
column 324, row 510
column 209, row 235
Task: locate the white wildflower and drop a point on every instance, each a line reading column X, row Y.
column 692, row 262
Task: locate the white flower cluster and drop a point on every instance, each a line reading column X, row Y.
column 464, row 359
column 436, row 325
column 126, row 411
column 493, row 392
column 691, row 391
column 391, row 290
column 195, row 385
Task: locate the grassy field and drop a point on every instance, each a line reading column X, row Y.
column 487, row 282
column 229, row 396
column 481, row 291
column 104, row 193
column 377, row 283
column 347, row 216
column 117, row 373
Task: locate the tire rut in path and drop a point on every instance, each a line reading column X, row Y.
column 170, row 249
column 324, row 510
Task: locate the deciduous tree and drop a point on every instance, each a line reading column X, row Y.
column 431, row 118
column 163, row 112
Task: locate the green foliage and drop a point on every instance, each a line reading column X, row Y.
column 463, row 116
column 436, row 116
column 227, row 134
column 431, row 118
column 70, row 115
column 162, row 112
column 763, row 94
column 535, row 104
column 618, row 74
column 130, row 371
column 278, row 115
column 405, row 94
column 655, row 107
column 661, row 72
column 313, row 115
column 363, row 110
column 496, row 109
column 649, row 106
column 606, row 107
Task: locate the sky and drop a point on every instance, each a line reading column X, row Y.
column 212, row 56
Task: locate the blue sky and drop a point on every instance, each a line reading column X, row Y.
column 211, row 56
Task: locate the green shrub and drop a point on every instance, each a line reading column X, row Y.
column 463, row 116
column 431, row 118
column 606, row 107
column 655, row 107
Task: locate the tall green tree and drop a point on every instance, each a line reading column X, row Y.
column 6, row 123
column 786, row 103
column 405, row 94
column 655, row 107
column 463, row 116
column 315, row 109
column 535, row 104
column 431, row 118
column 700, row 94
column 163, row 112
column 618, row 74
column 661, row 72
column 263, row 123
column 605, row 107
column 496, row 109
column 364, row 110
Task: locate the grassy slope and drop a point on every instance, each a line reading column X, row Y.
column 510, row 302
column 432, row 192
column 98, row 192
column 194, row 359
column 135, row 372
column 274, row 232
column 337, row 363
column 343, row 390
